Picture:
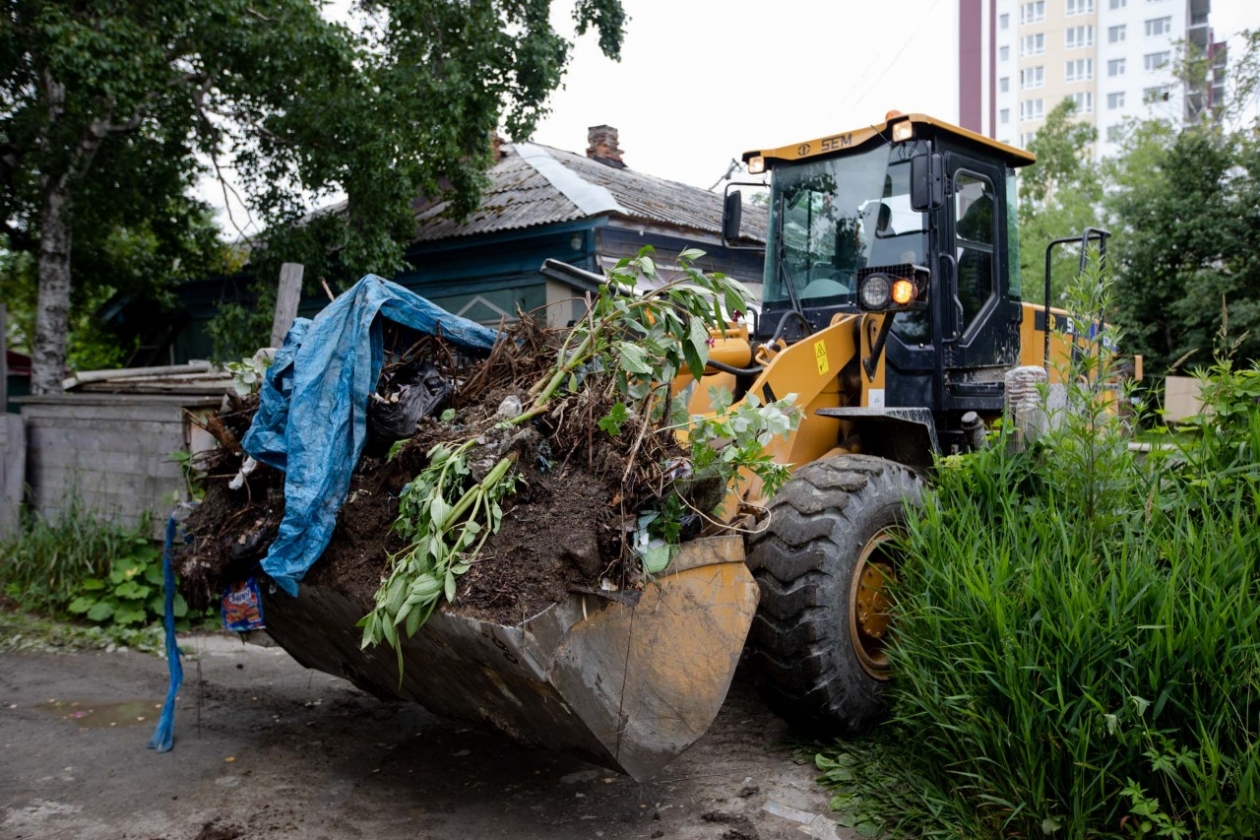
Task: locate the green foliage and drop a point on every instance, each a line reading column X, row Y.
column 131, row 593
column 238, row 329
column 112, row 109
column 248, row 374
column 27, row 632
column 1059, row 196
column 47, row 559
column 1077, row 650
column 445, row 526
column 732, row 441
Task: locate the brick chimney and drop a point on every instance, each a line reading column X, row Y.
column 602, row 146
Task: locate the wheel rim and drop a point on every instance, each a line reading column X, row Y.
column 870, row 604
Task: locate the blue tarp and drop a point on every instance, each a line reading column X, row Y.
column 312, row 414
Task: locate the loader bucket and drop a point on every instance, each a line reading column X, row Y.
column 624, row 680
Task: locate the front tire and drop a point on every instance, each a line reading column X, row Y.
column 822, row 561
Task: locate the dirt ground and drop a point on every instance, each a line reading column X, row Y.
column 267, row 749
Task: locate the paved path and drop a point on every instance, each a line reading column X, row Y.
column 267, row 749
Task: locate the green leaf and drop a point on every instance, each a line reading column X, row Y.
column 179, row 606
column 126, row 614
column 633, row 359
column 690, row 254
column 81, row 605
column 450, row 587
column 101, row 611
column 616, row 417
column 92, row 584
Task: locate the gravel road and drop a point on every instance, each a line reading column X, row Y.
column 267, row 749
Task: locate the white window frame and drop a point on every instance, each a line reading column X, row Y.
column 1034, row 44
column 1116, row 34
column 1115, row 101
column 1156, row 27
column 1080, row 7
column 1033, row 12
column 1079, row 70
column 1029, row 113
column 1116, row 67
column 1032, row 77
column 1150, row 66
column 1084, row 101
column 1078, row 37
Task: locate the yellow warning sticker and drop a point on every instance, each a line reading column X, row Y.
column 820, row 355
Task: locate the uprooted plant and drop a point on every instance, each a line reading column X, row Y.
column 612, row 374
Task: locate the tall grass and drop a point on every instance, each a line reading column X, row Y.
column 1077, row 651
column 44, row 562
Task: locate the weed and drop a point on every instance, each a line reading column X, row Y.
column 1077, row 651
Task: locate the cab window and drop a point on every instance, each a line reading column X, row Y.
column 975, row 244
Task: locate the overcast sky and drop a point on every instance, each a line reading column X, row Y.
column 702, row 81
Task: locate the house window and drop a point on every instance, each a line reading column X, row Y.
column 1080, row 36
column 1084, row 102
column 1026, row 138
column 1032, row 77
column 1004, row 21
column 1032, row 109
column 1004, row 84
column 1115, row 34
column 1080, row 7
column 1118, row 4
column 1156, row 61
column 1033, row 44
column 1115, row 100
column 1004, row 116
column 1115, row 67
column 1004, row 53
column 1115, row 133
column 1080, row 70
column 1032, row 12
column 1158, row 26
column 1162, row 93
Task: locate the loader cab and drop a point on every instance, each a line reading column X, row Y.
column 912, row 197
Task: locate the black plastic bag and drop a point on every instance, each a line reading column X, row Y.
column 403, row 396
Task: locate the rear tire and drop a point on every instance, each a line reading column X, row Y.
column 817, row 640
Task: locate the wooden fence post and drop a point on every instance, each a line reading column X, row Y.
column 287, row 299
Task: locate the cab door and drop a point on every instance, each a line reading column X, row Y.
column 978, row 330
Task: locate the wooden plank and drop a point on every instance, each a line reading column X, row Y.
column 288, row 297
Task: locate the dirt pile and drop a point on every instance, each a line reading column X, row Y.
column 568, row 525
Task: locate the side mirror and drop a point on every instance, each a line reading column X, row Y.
column 732, row 214
column 927, row 183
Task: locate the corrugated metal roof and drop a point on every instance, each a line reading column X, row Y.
column 519, row 196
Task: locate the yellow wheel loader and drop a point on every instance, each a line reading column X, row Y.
column 893, row 309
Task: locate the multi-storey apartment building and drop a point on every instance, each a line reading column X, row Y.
column 1019, row 58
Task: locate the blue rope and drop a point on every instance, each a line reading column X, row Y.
column 164, row 735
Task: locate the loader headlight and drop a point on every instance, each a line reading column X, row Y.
column 903, row 131
column 756, row 165
column 893, row 287
column 876, row 291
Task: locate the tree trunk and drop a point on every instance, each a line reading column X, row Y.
column 48, row 350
